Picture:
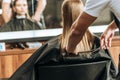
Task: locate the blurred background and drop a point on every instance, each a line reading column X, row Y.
column 52, row 15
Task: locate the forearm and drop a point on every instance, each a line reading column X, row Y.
column 40, row 7
column 78, row 29
column 6, row 12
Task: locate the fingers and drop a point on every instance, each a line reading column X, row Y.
column 109, row 42
column 36, row 18
column 101, row 41
column 104, row 41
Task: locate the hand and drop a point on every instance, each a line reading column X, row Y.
column 106, row 38
column 36, row 18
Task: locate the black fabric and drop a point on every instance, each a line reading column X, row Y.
column 88, row 71
column 19, row 25
column 49, row 63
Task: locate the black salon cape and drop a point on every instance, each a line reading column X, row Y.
column 49, row 54
column 19, row 25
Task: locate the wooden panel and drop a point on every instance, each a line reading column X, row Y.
column 115, row 51
column 10, row 63
column 12, row 59
column 1, row 20
column 0, row 66
column 116, row 41
column 17, row 51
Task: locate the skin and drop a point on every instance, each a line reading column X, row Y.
column 79, row 27
column 7, row 10
column 107, row 35
column 21, row 7
column 40, row 8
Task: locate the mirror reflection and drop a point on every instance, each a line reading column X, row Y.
column 21, row 15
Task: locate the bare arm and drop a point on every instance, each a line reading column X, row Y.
column 77, row 30
column 6, row 11
column 40, row 8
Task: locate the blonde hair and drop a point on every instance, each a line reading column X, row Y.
column 70, row 11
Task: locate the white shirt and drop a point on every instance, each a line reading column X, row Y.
column 95, row 7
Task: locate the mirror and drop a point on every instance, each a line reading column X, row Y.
column 52, row 13
column 52, row 17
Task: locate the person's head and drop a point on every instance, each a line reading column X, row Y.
column 70, row 11
column 20, row 7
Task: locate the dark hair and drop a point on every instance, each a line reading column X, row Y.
column 12, row 3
